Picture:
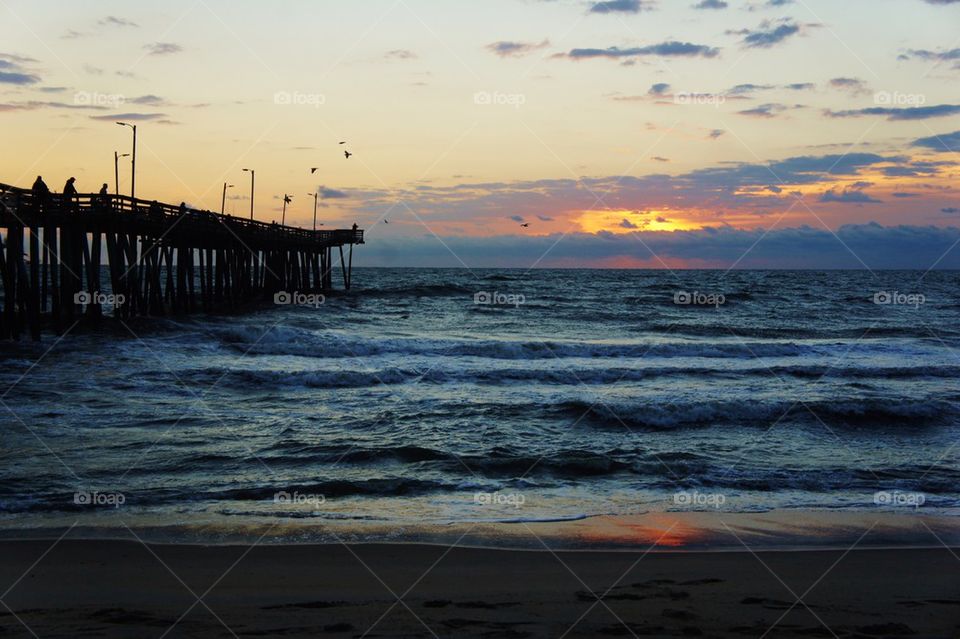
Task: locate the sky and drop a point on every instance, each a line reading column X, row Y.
column 523, row 133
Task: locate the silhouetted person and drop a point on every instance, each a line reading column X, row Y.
column 183, row 208
column 41, row 194
column 103, row 198
column 156, row 210
column 355, row 226
column 69, row 193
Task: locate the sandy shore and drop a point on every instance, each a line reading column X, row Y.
column 126, row 589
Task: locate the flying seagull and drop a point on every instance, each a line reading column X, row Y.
column 313, row 169
column 525, row 225
column 344, row 142
column 347, row 154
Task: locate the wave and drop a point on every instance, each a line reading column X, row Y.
column 850, row 411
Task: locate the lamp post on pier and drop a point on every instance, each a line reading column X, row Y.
column 223, row 201
column 315, row 196
column 116, row 170
column 253, row 176
column 133, row 161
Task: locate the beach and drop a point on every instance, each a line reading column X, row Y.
column 128, row 589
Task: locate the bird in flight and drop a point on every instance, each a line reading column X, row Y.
column 347, row 154
column 386, row 221
column 344, row 142
column 525, row 225
column 313, row 169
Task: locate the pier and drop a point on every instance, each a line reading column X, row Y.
column 160, row 260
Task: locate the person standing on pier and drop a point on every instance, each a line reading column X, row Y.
column 69, row 193
column 103, row 199
column 41, row 193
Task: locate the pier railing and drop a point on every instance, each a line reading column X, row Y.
column 162, row 258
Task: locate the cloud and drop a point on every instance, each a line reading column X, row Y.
column 12, row 70
column 716, row 133
column 400, row 54
column 162, row 48
column 627, row 224
column 711, row 4
column 893, row 113
column 545, row 218
column 114, row 21
column 768, row 35
column 944, row 143
column 666, row 49
column 149, row 100
column 942, row 1
column 517, row 218
column 331, row 194
column 658, row 158
column 769, row 110
column 130, row 116
column 848, row 195
column 7, row 77
column 803, row 247
column 510, row 49
column 852, row 85
column 661, row 88
column 952, row 210
column 617, row 6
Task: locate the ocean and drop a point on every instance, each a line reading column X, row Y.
column 432, row 397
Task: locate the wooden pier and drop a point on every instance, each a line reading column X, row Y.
column 160, row 260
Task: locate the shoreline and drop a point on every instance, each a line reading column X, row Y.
column 125, row 589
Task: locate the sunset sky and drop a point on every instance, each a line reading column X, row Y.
column 625, row 133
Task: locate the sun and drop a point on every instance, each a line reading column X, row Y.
column 632, row 221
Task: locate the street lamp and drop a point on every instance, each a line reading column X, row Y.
column 315, row 196
column 133, row 171
column 116, row 170
column 223, row 202
column 286, row 200
column 253, row 176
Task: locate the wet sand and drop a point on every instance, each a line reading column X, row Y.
column 127, row 589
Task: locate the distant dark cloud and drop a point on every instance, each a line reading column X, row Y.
column 716, row 133
column 162, row 48
column 114, row 21
column 769, row 34
column 944, row 143
column 849, row 195
column 659, row 158
column 853, row 85
column 130, row 116
column 942, row 1
column 951, row 210
column 400, row 54
column 769, row 110
column 711, row 4
column 13, row 71
column 893, row 113
column 666, row 49
column 149, row 100
column 661, row 88
column 331, row 194
column 877, row 246
column 618, row 6
column 510, row 49
column 627, row 224
column 7, row 77
column 545, row 218
column 517, row 218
